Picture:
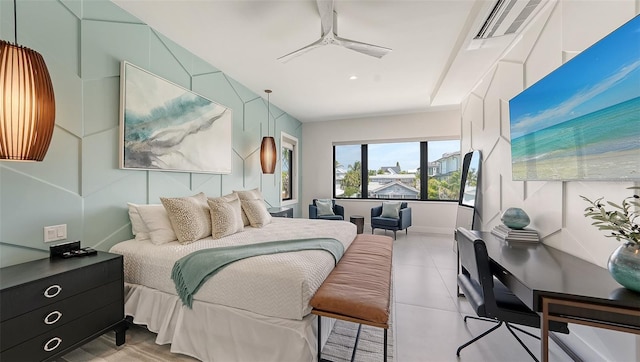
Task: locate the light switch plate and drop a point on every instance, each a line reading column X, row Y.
column 55, row 233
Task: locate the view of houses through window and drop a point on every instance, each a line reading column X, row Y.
column 403, row 170
column 287, row 167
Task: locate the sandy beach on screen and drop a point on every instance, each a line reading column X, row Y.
column 605, row 166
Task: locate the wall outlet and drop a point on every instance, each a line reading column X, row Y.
column 55, row 233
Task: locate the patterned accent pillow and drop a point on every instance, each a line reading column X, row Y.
column 226, row 216
column 256, row 212
column 190, row 217
column 254, row 194
column 325, row 207
column 157, row 223
column 391, row 209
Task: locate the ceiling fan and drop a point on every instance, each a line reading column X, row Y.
column 329, row 22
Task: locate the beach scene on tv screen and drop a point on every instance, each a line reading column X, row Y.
column 582, row 121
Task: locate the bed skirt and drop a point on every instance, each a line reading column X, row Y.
column 211, row 332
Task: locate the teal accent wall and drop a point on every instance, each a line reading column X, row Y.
column 79, row 182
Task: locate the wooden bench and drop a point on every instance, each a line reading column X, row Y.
column 358, row 289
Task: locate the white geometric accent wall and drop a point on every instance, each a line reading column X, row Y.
column 555, row 208
column 79, row 182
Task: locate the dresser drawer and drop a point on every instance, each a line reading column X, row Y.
column 53, row 342
column 26, row 297
column 42, row 320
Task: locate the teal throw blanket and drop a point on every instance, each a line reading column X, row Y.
column 191, row 271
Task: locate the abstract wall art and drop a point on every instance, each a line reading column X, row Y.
column 165, row 127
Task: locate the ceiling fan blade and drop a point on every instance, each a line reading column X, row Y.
column 296, row 53
column 325, row 8
column 364, row 48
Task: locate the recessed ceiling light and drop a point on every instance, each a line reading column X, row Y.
column 353, row 77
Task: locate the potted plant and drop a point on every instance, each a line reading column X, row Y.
column 620, row 222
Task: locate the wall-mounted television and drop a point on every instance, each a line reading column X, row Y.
column 582, row 121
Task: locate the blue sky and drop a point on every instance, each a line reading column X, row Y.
column 387, row 154
column 605, row 74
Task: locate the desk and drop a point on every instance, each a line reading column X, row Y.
column 560, row 285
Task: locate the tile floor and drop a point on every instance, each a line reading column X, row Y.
column 428, row 316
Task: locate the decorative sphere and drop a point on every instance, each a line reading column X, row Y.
column 515, row 218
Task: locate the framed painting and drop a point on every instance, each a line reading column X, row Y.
column 165, row 127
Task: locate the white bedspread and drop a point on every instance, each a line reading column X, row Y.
column 278, row 285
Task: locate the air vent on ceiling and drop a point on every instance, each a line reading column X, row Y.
column 507, row 17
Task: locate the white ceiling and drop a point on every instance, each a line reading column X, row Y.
column 430, row 65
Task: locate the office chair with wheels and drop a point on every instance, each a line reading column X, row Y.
column 491, row 299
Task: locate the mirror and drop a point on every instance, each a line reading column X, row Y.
column 469, row 199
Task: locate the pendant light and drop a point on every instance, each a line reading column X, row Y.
column 268, row 151
column 27, row 103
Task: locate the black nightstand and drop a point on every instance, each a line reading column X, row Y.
column 50, row 306
column 281, row 211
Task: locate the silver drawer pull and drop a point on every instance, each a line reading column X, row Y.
column 52, row 317
column 52, row 291
column 56, row 343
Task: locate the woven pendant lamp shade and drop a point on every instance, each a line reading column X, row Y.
column 268, row 151
column 268, row 155
column 27, row 104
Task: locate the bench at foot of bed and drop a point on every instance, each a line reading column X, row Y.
column 358, row 289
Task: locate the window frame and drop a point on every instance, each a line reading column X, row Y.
column 364, row 172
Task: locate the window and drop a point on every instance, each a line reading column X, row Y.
column 347, row 161
column 400, row 171
column 288, row 169
column 388, row 177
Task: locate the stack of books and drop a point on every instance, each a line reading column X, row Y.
column 520, row 235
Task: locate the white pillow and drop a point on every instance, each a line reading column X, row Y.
column 157, row 222
column 138, row 227
column 190, row 217
column 325, row 207
column 226, row 216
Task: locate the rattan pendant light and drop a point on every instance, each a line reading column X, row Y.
column 268, row 151
column 27, row 102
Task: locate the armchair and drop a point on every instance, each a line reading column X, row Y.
column 402, row 221
column 338, row 211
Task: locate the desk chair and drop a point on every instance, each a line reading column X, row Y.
column 492, row 301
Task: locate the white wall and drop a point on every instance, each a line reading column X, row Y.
column 317, row 160
column 555, row 208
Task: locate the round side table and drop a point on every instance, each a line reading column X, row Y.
column 358, row 221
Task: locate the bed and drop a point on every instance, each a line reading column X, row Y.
column 254, row 309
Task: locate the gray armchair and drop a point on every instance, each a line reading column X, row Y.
column 388, row 223
column 338, row 211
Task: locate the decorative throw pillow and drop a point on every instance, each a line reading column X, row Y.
column 391, row 209
column 325, row 207
column 254, row 194
column 138, row 227
column 190, row 217
column 256, row 212
column 226, row 216
column 157, row 222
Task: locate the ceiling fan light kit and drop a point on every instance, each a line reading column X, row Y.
column 329, row 36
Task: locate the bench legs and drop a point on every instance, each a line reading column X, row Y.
column 355, row 346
